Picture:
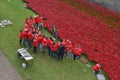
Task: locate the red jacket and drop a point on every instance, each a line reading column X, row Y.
column 30, row 35
column 67, row 42
column 96, row 67
column 77, row 51
column 45, row 42
column 69, row 47
column 26, row 28
column 21, row 35
column 37, row 19
column 40, row 20
column 27, row 21
column 50, row 42
column 24, row 35
column 53, row 47
column 64, row 43
column 40, row 39
column 58, row 44
column 31, row 24
column 35, row 42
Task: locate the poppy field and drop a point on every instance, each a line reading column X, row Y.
column 98, row 40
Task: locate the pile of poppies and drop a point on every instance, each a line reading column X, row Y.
column 99, row 41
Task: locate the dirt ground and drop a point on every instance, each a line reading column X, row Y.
column 7, row 71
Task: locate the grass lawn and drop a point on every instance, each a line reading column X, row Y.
column 44, row 67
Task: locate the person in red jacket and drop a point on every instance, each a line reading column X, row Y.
column 96, row 68
column 26, row 28
column 40, row 40
column 20, row 37
column 30, row 39
column 34, row 30
column 38, row 22
column 25, row 38
column 76, row 52
column 31, row 22
column 68, row 41
column 53, row 48
column 69, row 48
column 27, row 21
column 64, row 43
column 35, row 44
column 58, row 44
column 50, row 42
column 61, row 51
column 44, row 43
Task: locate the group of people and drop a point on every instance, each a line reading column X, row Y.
column 32, row 37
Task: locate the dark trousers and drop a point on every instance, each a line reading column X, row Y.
column 40, row 27
column 55, row 54
column 36, row 24
column 75, row 57
column 44, row 49
column 55, row 35
column 52, row 53
column 30, row 44
column 20, row 42
column 60, row 57
column 49, row 50
column 97, row 72
column 24, row 42
column 34, row 49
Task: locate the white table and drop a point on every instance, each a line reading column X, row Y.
column 100, row 77
column 24, row 54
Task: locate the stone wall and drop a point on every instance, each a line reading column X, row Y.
column 112, row 4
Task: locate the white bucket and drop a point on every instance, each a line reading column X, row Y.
column 24, row 65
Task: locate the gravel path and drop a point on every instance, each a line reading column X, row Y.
column 7, row 71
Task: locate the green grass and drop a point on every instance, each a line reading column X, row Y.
column 44, row 67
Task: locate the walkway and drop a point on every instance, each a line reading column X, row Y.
column 7, row 71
